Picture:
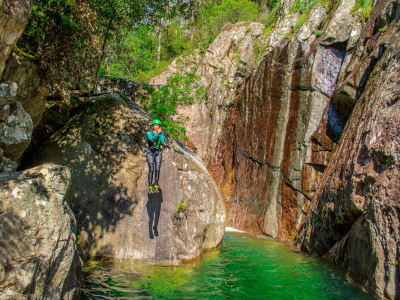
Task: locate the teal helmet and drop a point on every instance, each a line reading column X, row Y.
column 156, row 121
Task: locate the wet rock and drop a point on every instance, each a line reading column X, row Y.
column 13, row 18
column 16, row 132
column 38, row 255
column 104, row 146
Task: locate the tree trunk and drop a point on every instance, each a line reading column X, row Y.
column 107, row 62
column 159, row 43
column 103, row 50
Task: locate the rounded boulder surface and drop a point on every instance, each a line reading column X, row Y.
column 104, row 146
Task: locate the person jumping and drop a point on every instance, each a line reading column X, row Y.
column 155, row 138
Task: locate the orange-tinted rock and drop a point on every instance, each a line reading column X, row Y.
column 275, row 147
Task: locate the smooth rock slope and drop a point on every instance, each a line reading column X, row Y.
column 104, row 146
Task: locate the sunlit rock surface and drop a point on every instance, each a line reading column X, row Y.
column 32, row 89
column 104, row 146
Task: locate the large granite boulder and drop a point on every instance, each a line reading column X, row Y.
column 104, row 146
column 354, row 218
column 38, row 255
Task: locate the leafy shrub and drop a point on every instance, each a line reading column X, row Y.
column 363, row 9
column 163, row 103
column 300, row 22
column 212, row 19
column 181, row 207
column 317, row 32
column 61, row 36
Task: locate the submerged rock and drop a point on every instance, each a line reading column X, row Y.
column 38, row 255
column 104, row 146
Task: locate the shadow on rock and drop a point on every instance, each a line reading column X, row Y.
column 153, row 210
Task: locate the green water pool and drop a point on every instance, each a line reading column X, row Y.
column 244, row 268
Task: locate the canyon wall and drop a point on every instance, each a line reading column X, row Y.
column 354, row 218
column 280, row 133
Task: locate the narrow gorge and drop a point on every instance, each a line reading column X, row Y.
column 293, row 136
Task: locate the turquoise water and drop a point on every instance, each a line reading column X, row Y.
column 244, row 268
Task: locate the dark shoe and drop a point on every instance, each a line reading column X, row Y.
column 155, row 231
column 151, row 234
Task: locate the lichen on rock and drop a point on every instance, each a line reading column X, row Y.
column 38, row 254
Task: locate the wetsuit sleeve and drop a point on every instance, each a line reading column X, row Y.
column 162, row 138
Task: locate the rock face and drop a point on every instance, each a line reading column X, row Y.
column 104, row 146
column 227, row 60
column 15, row 124
column 15, row 127
column 38, row 257
column 13, row 18
column 32, row 89
column 277, row 141
column 354, row 218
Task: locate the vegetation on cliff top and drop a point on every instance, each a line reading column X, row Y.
column 75, row 39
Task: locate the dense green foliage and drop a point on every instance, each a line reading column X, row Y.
column 67, row 38
column 75, row 39
column 164, row 101
column 61, row 36
column 363, row 9
column 214, row 18
column 179, row 36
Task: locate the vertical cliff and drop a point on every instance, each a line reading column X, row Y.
column 280, row 133
column 354, row 218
